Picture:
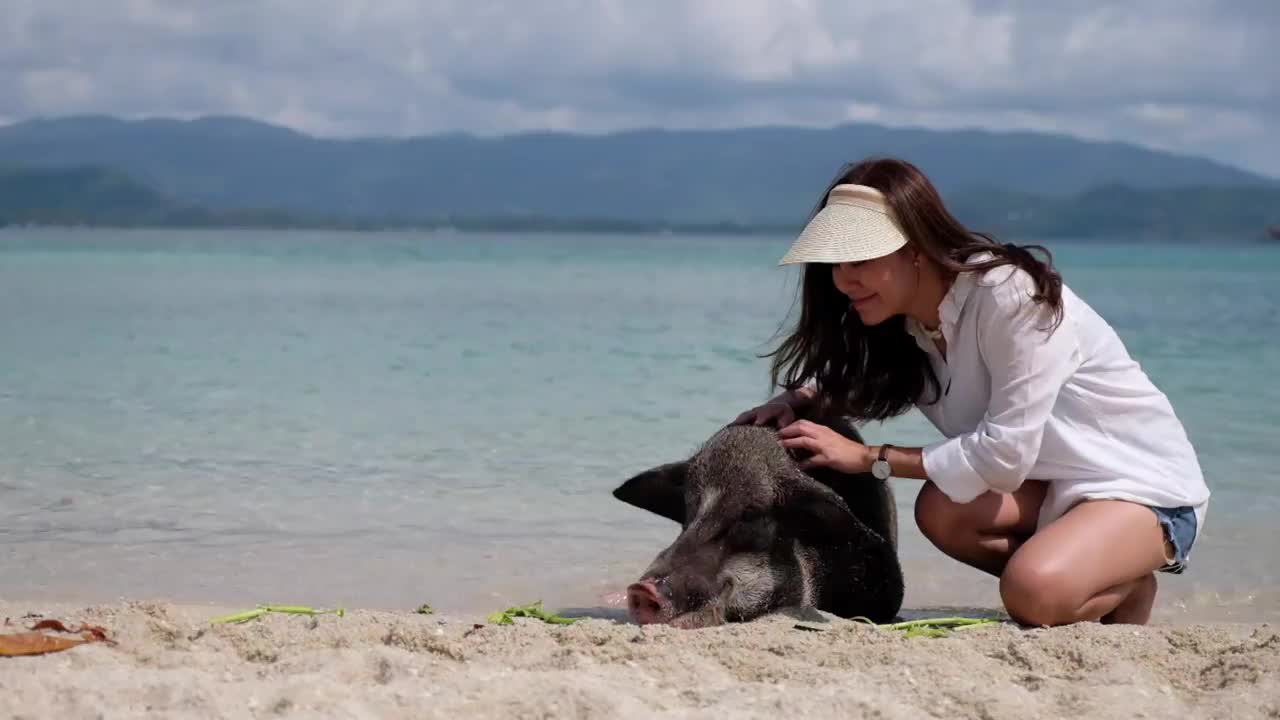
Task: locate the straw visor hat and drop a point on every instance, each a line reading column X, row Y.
column 856, row 224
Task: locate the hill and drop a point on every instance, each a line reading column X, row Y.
column 73, row 194
column 99, row 196
column 105, row 197
column 754, row 176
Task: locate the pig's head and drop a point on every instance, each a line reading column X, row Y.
column 753, row 529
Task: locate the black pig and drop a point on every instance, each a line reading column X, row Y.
column 760, row 534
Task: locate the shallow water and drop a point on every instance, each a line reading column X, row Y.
column 391, row 419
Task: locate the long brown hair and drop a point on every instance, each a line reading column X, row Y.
column 873, row 373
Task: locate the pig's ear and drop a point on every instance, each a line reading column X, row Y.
column 819, row 517
column 659, row 490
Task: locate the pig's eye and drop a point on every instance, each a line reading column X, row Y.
column 757, row 522
column 753, row 531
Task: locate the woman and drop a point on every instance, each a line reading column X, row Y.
column 1063, row 470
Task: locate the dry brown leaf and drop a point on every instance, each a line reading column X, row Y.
column 36, row 643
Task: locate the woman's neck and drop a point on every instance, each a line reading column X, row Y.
column 932, row 289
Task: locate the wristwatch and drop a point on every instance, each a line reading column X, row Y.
column 880, row 468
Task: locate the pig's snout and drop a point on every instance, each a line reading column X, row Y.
column 647, row 603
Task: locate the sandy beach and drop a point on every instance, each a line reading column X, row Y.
column 170, row 661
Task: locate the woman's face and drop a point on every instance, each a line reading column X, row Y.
column 881, row 288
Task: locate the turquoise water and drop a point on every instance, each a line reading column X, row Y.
column 391, row 419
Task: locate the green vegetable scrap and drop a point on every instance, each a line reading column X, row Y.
column 247, row 615
column 533, row 610
column 934, row 627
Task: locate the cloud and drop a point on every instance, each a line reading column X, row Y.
column 1193, row 77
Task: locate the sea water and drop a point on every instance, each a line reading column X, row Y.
column 388, row 419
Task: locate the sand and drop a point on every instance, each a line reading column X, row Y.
column 169, row 661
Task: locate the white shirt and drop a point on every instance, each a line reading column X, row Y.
column 1069, row 407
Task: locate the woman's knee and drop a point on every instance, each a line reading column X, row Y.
column 1038, row 594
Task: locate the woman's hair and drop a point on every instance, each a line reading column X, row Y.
column 877, row 372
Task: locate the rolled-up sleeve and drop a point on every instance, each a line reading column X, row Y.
column 1028, row 366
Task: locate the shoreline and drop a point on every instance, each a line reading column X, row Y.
column 933, row 585
column 1171, row 612
column 169, row 659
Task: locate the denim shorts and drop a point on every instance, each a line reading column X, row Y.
column 1179, row 525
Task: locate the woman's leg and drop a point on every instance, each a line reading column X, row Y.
column 983, row 533
column 1096, row 562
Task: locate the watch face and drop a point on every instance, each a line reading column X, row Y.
column 880, row 469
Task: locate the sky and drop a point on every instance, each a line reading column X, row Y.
column 1198, row 78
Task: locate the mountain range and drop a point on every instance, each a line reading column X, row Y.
column 224, row 170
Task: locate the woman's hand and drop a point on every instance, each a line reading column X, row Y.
column 829, row 448
column 778, row 413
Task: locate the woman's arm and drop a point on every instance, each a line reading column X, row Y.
column 831, row 449
column 906, row 462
